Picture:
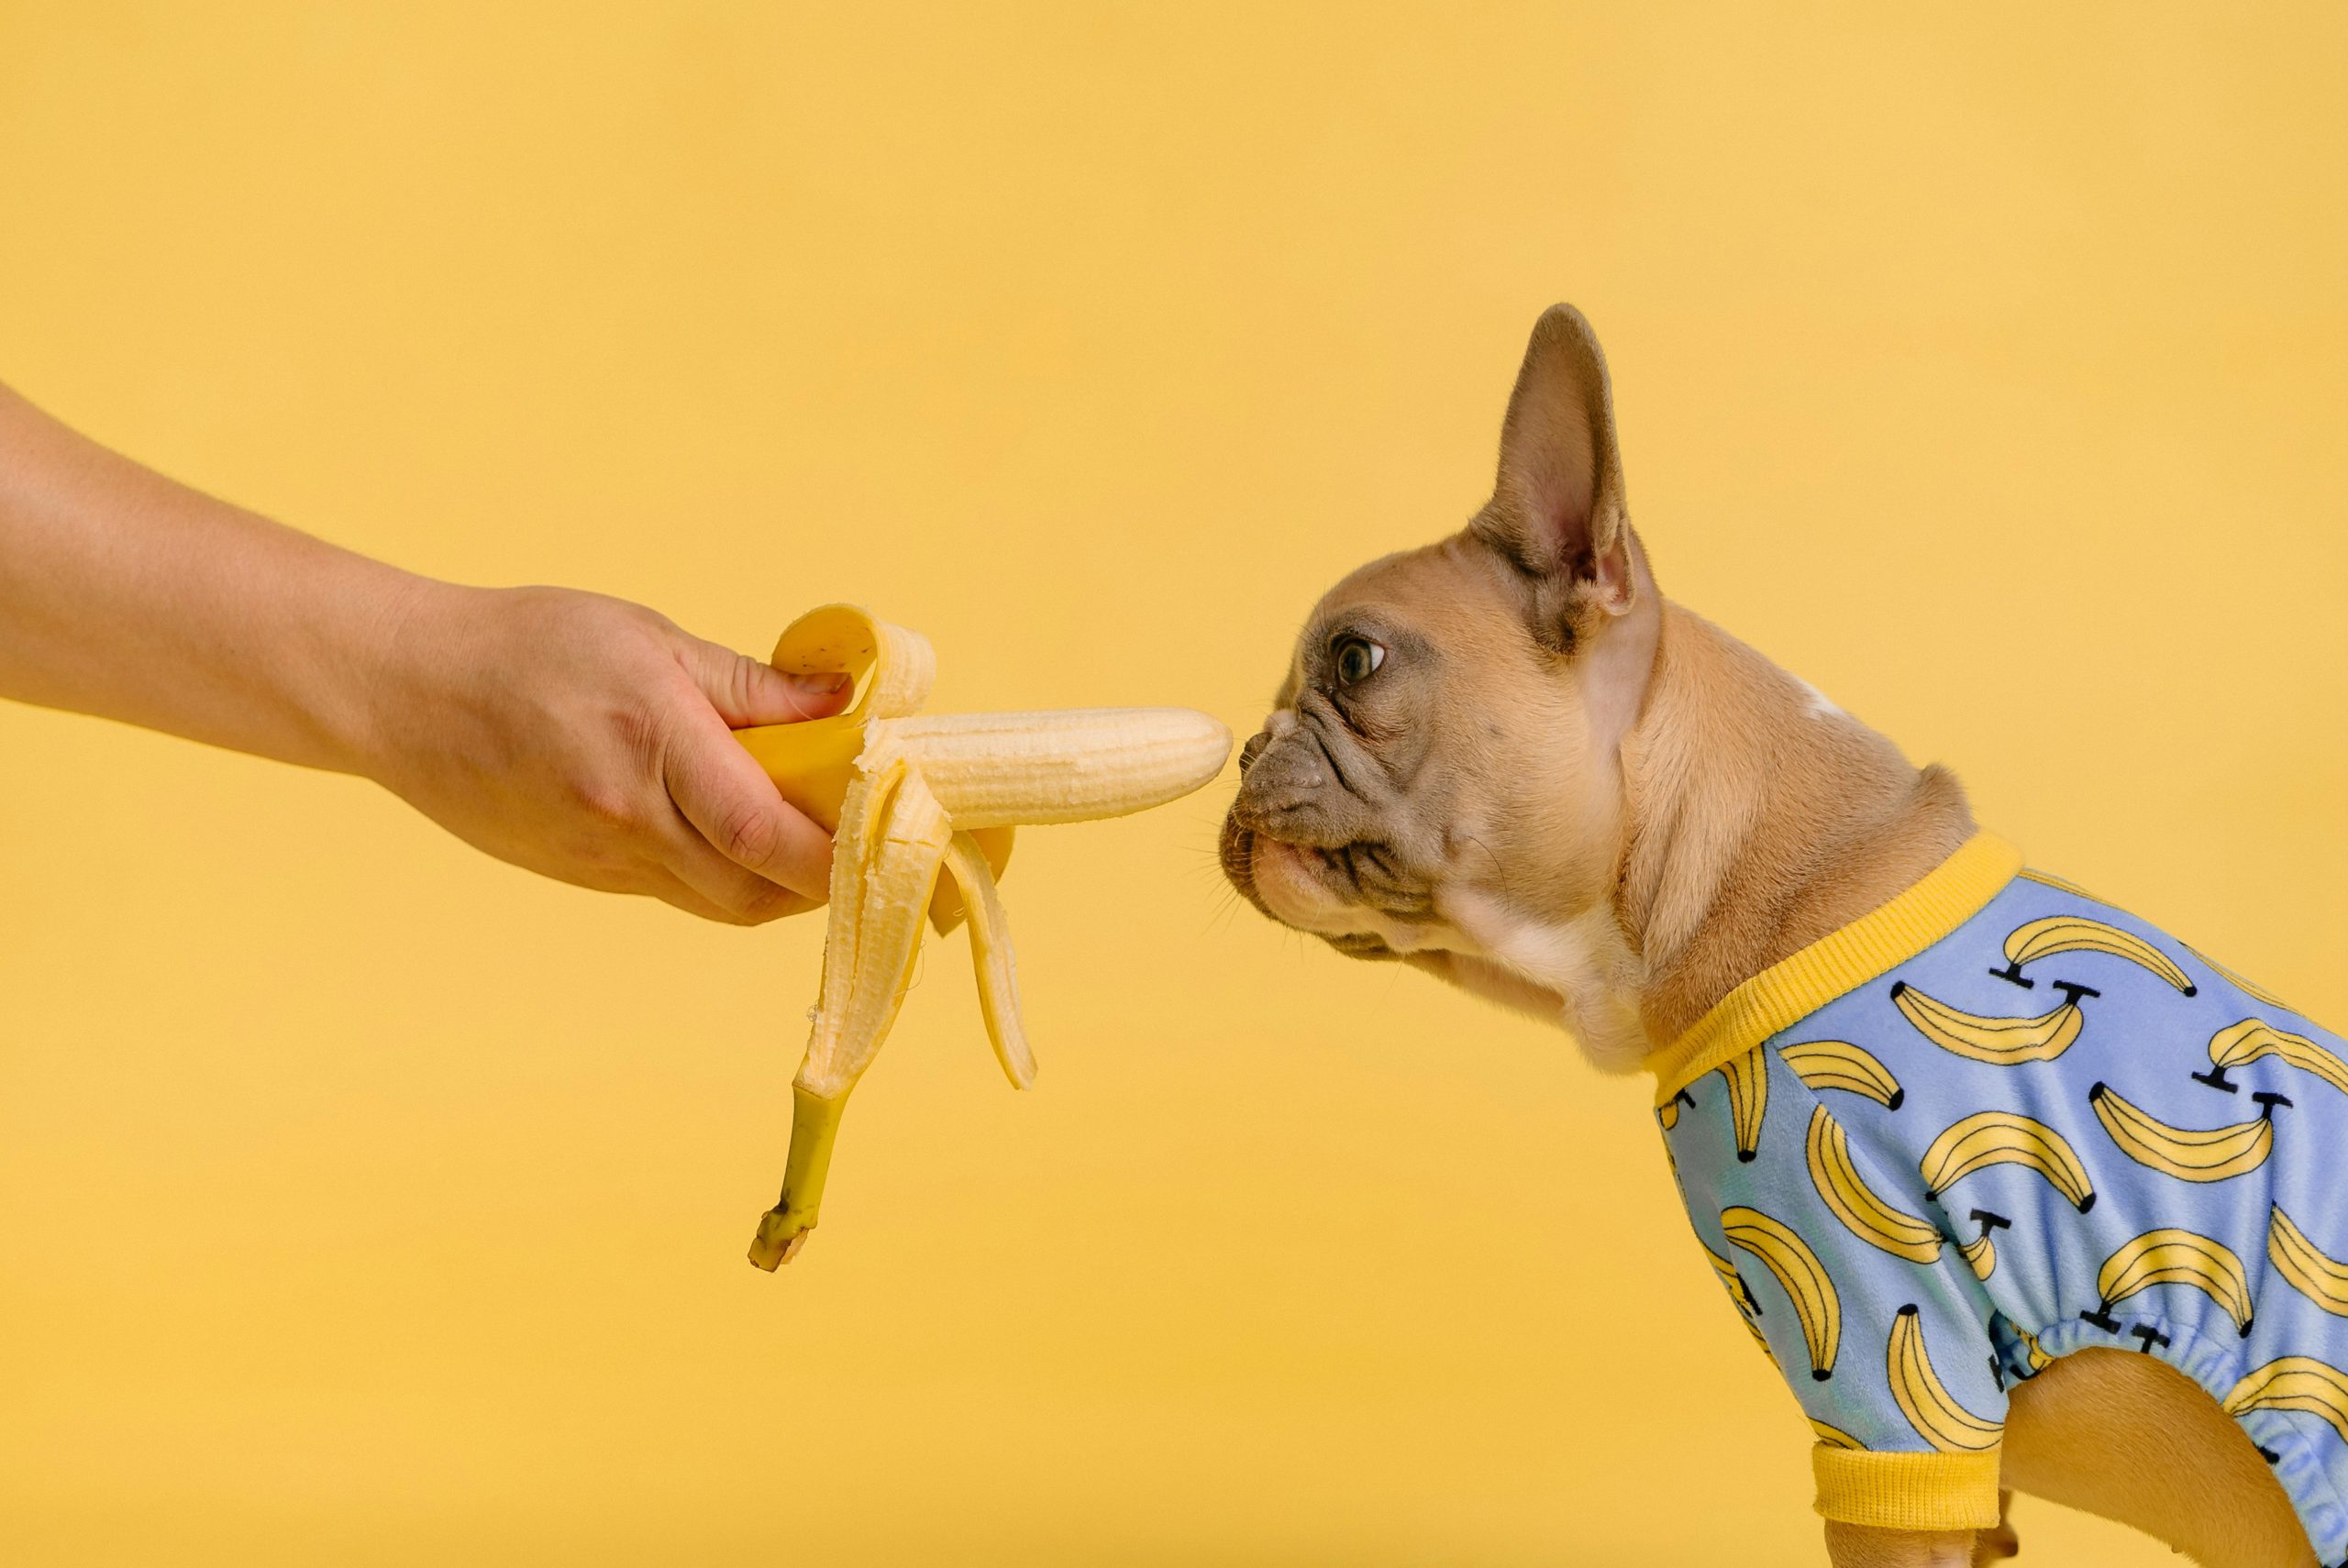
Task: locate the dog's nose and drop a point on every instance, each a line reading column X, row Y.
column 1282, row 787
column 1290, row 766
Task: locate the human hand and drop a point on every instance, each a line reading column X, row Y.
column 589, row 739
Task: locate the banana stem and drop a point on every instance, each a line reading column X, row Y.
column 782, row 1229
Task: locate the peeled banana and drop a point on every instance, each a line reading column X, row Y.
column 909, row 798
column 1930, row 1408
column 2186, row 1153
column 2002, row 1137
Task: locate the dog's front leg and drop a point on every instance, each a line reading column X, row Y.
column 1864, row 1546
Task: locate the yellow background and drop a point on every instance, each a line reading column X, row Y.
column 368, row 1201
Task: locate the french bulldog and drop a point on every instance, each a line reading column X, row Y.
column 1506, row 759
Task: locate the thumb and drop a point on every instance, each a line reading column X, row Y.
column 745, row 692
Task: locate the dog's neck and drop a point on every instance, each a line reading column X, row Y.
column 1760, row 818
column 1757, row 817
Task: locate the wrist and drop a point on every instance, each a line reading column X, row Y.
column 395, row 635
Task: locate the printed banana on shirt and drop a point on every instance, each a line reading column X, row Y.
column 1997, row 1120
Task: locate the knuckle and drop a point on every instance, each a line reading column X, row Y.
column 750, row 836
column 605, row 803
column 640, row 728
column 764, row 902
column 696, row 903
column 741, row 678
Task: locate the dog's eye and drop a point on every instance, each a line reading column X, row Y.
column 1356, row 659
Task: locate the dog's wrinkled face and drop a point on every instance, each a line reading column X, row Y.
column 1391, row 760
column 1440, row 779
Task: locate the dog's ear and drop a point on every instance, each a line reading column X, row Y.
column 1557, row 511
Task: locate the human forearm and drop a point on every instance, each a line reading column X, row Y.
column 579, row 735
column 125, row 594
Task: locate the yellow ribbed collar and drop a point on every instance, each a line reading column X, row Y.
column 1789, row 990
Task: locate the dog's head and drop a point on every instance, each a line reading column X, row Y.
column 1440, row 776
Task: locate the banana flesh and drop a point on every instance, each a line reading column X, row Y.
column 1074, row 765
column 921, row 809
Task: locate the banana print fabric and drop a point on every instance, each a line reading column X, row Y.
column 2055, row 1127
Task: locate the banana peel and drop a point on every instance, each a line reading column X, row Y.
column 812, row 762
column 922, row 809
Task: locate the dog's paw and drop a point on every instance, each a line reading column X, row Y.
column 1995, row 1545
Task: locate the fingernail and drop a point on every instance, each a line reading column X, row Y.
column 821, row 685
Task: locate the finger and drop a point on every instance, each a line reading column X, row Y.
column 670, row 890
column 746, row 692
column 673, row 890
column 741, row 897
column 736, row 810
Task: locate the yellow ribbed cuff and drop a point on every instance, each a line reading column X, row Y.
column 1907, row 1491
column 1791, row 990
